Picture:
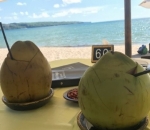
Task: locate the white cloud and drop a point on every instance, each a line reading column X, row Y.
column 42, row 15
column 87, row 10
column 61, row 14
column 63, row 5
column 71, row 1
column 56, row 6
column 15, row 17
column 118, row 8
column 10, row 18
column 24, row 13
column 84, row 11
column 14, row 13
column 21, row 4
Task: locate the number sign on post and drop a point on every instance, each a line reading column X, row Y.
column 99, row 50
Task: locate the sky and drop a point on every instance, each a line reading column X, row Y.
column 16, row 11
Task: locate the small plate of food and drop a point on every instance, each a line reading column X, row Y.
column 71, row 95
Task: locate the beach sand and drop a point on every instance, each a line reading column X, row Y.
column 56, row 53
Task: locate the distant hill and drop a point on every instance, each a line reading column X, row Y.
column 35, row 24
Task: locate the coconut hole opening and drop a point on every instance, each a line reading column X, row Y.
column 133, row 70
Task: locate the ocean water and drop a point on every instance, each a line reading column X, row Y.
column 86, row 34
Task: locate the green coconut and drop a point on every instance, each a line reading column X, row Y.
column 110, row 97
column 28, row 76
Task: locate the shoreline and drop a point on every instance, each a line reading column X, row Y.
column 107, row 43
column 56, row 53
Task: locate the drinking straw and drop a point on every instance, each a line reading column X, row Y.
column 6, row 41
column 141, row 73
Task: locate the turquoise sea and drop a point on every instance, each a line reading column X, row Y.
column 86, row 34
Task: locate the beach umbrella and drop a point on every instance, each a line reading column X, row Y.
column 145, row 4
column 127, row 15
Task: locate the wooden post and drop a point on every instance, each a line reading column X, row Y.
column 128, row 44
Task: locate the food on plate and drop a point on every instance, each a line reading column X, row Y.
column 73, row 94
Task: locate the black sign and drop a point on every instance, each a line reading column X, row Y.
column 99, row 50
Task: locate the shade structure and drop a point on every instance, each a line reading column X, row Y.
column 145, row 4
column 127, row 27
